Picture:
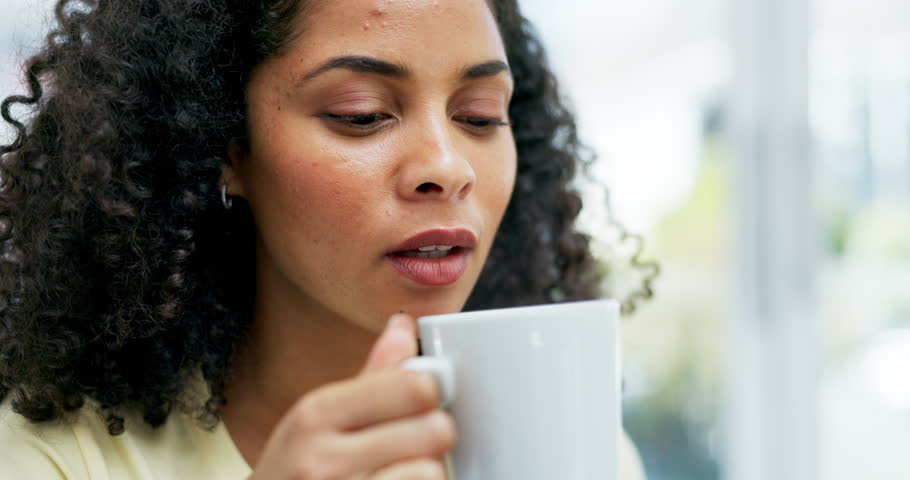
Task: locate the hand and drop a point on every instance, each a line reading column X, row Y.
column 382, row 424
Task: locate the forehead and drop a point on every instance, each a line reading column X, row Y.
column 429, row 32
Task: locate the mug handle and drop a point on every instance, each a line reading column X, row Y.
column 441, row 369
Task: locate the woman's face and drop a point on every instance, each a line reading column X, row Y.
column 380, row 131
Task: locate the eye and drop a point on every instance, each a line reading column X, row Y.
column 481, row 124
column 365, row 121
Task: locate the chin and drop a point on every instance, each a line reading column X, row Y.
column 421, row 305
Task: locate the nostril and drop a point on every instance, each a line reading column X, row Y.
column 429, row 187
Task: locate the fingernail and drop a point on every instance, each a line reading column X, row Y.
column 396, row 320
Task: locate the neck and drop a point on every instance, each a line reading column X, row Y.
column 294, row 347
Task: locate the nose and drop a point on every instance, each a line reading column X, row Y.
column 434, row 168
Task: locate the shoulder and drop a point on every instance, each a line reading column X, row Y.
column 82, row 449
column 48, row 450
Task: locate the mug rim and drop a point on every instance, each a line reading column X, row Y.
column 611, row 305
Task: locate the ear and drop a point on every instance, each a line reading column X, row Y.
column 231, row 172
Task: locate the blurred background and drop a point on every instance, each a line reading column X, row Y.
column 761, row 150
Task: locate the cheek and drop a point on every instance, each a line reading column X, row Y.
column 320, row 199
column 500, row 180
column 316, row 192
column 292, row 172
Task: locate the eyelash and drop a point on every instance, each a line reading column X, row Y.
column 488, row 122
column 350, row 121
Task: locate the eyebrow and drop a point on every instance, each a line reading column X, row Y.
column 381, row 67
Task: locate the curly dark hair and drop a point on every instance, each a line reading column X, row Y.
column 121, row 274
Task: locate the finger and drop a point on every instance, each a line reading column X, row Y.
column 396, row 343
column 430, row 435
column 421, row 468
column 370, row 399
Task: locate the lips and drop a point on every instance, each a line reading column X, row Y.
column 440, row 266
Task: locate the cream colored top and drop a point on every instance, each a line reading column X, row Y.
column 181, row 449
column 83, row 450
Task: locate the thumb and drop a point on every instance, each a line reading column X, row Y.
column 396, row 343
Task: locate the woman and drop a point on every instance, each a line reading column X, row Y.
column 226, row 214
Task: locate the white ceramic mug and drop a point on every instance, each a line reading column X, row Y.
column 534, row 391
